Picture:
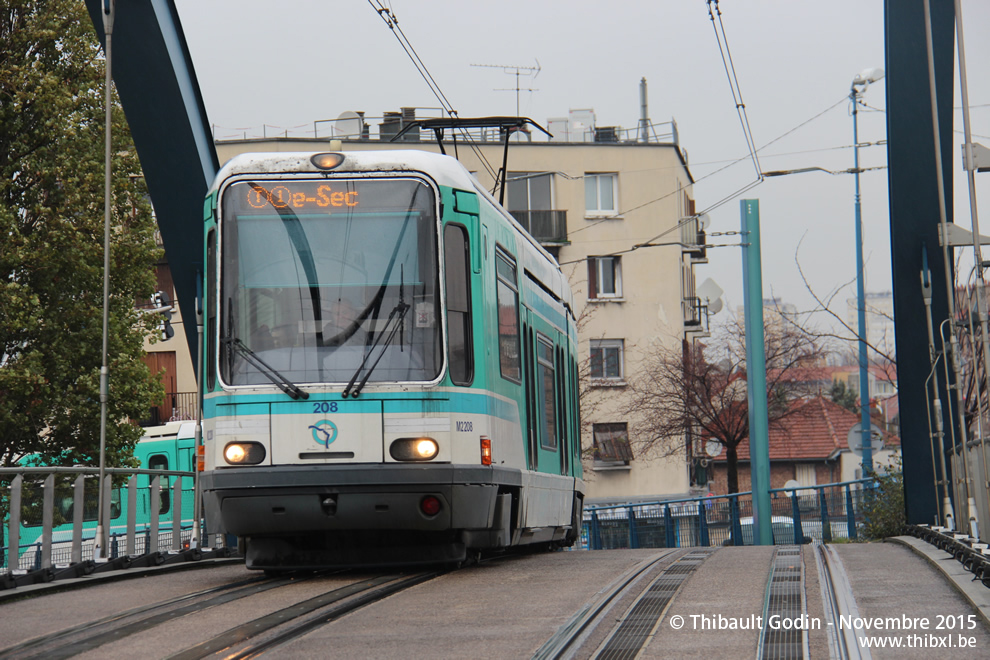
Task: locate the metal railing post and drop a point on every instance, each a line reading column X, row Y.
column 132, row 516
column 703, row 525
column 78, row 510
column 47, row 520
column 633, row 530
column 668, row 527
column 796, row 515
column 177, row 515
column 107, row 492
column 14, row 529
column 595, row 535
column 736, row 532
column 826, row 525
column 850, row 514
column 154, row 507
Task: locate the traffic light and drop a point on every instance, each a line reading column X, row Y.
column 163, row 305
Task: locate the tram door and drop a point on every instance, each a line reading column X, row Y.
column 545, row 397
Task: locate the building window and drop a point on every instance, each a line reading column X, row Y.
column 507, row 297
column 804, row 474
column 529, row 191
column 604, row 277
column 606, row 359
column 599, row 194
column 611, row 445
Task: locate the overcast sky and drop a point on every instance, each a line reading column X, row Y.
column 290, row 63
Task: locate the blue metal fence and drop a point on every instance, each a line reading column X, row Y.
column 823, row 513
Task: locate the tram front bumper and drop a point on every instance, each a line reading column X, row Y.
column 269, row 501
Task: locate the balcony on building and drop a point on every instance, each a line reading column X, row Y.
column 695, row 316
column 693, row 238
column 547, row 227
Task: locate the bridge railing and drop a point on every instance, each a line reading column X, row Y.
column 823, row 512
column 49, row 515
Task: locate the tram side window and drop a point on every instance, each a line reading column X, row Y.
column 548, row 398
column 458, row 286
column 508, row 317
column 160, row 462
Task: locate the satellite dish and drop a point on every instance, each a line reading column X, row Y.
column 348, row 124
column 713, row 448
column 712, row 293
column 704, row 221
column 792, row 484
column 854, row 439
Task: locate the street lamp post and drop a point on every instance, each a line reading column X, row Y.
column 859, row 85
column 102, row 524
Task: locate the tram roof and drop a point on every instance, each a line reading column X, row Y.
column 445, row 170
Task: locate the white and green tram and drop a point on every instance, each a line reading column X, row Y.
column 390, row 365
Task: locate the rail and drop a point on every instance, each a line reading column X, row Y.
column 49, row 519
column 823, row 512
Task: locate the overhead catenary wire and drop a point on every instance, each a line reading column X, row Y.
column 728, row 164
column 730, row 72
column 390, row 19
column 392, row 22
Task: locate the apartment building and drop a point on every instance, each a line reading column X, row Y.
column 591, row 195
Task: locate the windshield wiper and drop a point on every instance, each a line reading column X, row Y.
column 392, row 325
column 281, row 381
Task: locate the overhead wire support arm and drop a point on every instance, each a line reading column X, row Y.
column 507, row 125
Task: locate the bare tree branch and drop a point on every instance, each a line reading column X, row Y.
column 697, row 391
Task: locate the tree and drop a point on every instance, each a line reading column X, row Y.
column 845, row 397
column 51, row 231
column 695, row 390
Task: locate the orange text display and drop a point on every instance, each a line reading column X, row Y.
column 281, row 197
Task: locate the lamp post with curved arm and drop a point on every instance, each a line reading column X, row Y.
column 859, row 85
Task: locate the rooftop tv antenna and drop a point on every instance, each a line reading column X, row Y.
column 518, row 72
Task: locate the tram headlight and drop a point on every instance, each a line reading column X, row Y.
column 414, row 449
column 327, row 161
column 244, row 453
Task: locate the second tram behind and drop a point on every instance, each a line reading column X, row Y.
column 390, row 366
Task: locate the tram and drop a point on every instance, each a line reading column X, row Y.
column 390, row 371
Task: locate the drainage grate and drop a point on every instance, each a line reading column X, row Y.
column 628, row 639
column 784, row 637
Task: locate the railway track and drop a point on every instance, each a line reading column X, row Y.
column 838, row 600
column 665, row 574
column 653, row 585
column 243, row 641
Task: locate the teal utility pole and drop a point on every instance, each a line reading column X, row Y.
column 756, row 372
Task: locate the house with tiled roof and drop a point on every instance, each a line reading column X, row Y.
column 808, row 446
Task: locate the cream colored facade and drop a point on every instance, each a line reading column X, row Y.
column 649, row 301
column 173, row 358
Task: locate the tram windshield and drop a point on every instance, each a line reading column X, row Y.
column 329, row 281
